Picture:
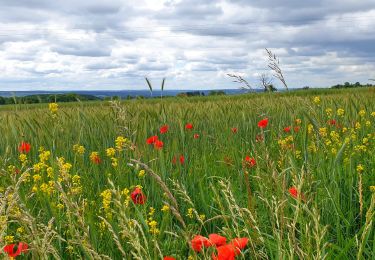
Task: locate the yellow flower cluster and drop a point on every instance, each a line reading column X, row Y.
column 53, row 108
column 79, row 149
column 152, row 223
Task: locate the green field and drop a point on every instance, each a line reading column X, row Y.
column 66, row 202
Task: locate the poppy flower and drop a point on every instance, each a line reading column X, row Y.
column 164, row 129
column 158, row 144
column 95, row 158
column 198, row 242
column 239, row 244
column 138, row 197
column 152, row 139
column 234, row 130
column 24, row 147
column 189, row 126
column 249, row 161
column 296, row 129
column 182, row 159
column 10, row 249
column 169, row 258
column 174, row 160
column 226, row 252
column 217, row 240
column 332, row 122
column 295, row 194
column 196, row 136
column 263, row 123
column 287, row 129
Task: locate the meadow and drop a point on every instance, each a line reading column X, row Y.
column 255, row 176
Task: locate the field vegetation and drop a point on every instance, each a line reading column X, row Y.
column 257, row 176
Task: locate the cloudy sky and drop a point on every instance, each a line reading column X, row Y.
column 113, row 44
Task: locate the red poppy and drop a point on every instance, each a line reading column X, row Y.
column 239, row 244
column 196, row 136
column 249, row 161
column 182, row 159
column 152, row 139
column 263, row 123
column 296, row 129
column 287, row 129
column 138, row 197
column 217, row 240
column 24, row 147
column 169, row 258
column 226, row 252
column 164, row 129
column 332, row 122
column 234, row 130
column 189, row 126
column 295, row 193
column 10, row 249
column 174, row 160
column 198, row 242
column 96, row 159
column 158, row 144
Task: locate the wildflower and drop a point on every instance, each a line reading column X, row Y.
column 296, row 129
column 372, row 188
column 20, row 230
column 107, row 197
column 189, row 126
column 329, row 112
column 95, row 158
column 12, row 252
column 158, row 144
column 153, row 227
column 120, row 142
column 231, row 250
column 165, row 208
column 234, row 130
column 332, row 122
column 24, row 147
column 137, row 196
column 141, row 173
column 362, row 113
column 360, row 168
column 164, row 129
column 182, row 159
column 295, row 194
column 373, row 114
column 169, row 258
column 316, row 100
column 152, row 139
column 198, row 242
column 190, row 213
column 9, row 239
column 340, row 112
column 110, row 152
column 298, row 121
column 287, row 129
column 79, row 149
column 53, row 107
column 263, row 123
column 196, row 136
column 249, row 162
column 217, row 240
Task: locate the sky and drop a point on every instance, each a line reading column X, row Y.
column 194, row 44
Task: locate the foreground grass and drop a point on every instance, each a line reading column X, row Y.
column 65, row 204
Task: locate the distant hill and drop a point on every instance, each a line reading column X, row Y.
column 46, row 98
